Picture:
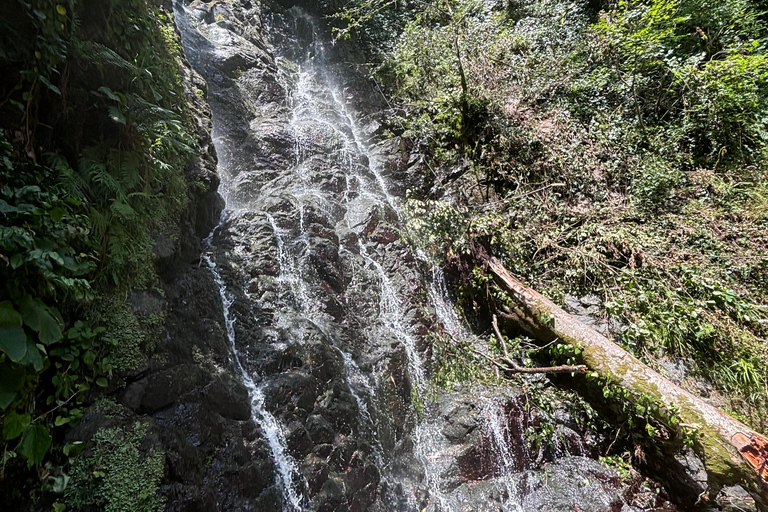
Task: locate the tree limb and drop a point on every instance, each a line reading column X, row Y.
column 511, row 366
column 732, row 452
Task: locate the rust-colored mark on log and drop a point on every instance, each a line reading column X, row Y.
column 755, row 450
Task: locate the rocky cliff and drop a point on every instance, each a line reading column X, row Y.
column 333, row 314
column 300, row 350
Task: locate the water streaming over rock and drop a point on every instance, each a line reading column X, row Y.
column 286, row 467
column 327, row 308
column 496, row 423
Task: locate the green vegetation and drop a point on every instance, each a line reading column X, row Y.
column 94, row 137
column 544, row 401
column 455, row 364
column 617, row 149
column 116, row 476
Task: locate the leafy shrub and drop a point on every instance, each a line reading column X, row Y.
column 654, row 182
column 93, row 143
column 695, row 63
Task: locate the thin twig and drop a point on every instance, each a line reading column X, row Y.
column 513, row 367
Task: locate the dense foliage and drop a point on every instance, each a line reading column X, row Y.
column 93, row 142
column 609, row 148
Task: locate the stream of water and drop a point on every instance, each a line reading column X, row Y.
column 328, row 144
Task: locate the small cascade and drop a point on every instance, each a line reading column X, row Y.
column 291, row 265
column 496, row 424
column 444, row 309
column 430, row 448
column 392, row 313
column 291, row 275
column 286, row 468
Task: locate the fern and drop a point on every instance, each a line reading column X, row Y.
column 70, row 180
column 103, row 185
column 126, row 165
column 101, row 56
column 122, row 211
column 99, row 222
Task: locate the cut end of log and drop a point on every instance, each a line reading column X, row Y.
column 755, row 450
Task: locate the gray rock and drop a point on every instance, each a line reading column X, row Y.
column 573, row 483
column 736, row 499
column 145, row 302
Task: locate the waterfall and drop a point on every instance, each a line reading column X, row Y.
column 297, row 264
column 286, row 467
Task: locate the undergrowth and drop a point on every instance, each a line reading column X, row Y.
column 616, row 149
column 94, row 139
column 115, row 475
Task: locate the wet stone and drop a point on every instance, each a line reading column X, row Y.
column 316, row 275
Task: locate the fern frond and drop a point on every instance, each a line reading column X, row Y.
column 126, row 165
column 122, row 211
column 99, row 222
column 119, row 250
column 103, row 186
column 72, row 182
column 146, row 112
column 100, row 55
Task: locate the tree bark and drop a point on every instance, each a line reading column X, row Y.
column 733, row 453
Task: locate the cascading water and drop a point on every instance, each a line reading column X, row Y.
column 319, row 291
column 496, row 424
column 285, row 466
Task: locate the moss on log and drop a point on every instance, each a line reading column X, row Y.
column 732, row 452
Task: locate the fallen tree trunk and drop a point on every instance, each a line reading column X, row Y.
column 733, row 453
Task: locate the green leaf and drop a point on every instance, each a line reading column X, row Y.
column 60, row 420
column 73, row 449
column 89, row 358
column 13, row 342
column 33, row 357
column 17, row 260
column 61, row 10
column 14, row 424
column 6, row 208
column 48, row 84
column 11, row 380
column 8, row 314
column 34, row 443
column 116, row 115
column 59, row 507
column 109, row 93
column 55, row 256
column 101, row 381
column 38, row 317
column 58, row 213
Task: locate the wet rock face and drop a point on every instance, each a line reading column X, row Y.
column 293, row 255
column 189, row 396
column 198, row 408
column 327, row 307
column 486, row 461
